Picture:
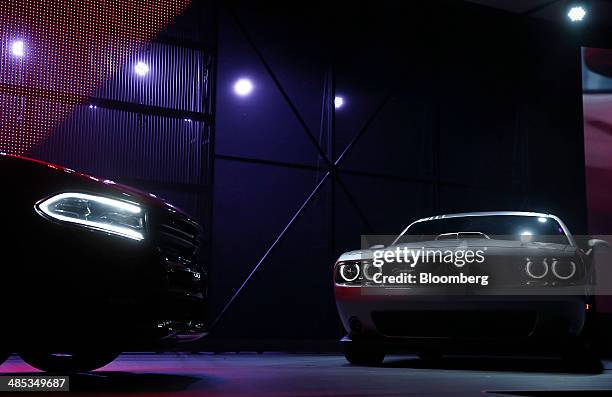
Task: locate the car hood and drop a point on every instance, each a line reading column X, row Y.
column 97, row 184
column 491, row 247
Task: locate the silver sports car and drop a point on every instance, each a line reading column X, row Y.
column 465, row 282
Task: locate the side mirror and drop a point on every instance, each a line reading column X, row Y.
column 377, row 247
column 595, row 242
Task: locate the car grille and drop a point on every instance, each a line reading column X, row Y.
column 457, row 324
column 178, row 240
column 178, row 236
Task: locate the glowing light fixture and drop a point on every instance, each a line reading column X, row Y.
column 243, row 87
column 542, row 219
column 96, row 212
column 338, row 102
column 141, row 69
column 576, row 14
column 18, row 48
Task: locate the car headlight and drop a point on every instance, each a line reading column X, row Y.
column 369, row 270
column 96, row 212
column 347, row 272
column 564, row 269
column 536, row 269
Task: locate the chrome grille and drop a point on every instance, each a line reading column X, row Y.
column 178, row 241
column 179, row 237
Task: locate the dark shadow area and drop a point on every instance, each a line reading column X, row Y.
column 503, row 364
column 112, row 381
column 564, row 393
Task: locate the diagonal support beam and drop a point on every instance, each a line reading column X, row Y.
column 336, row 166
column 280, row 88
column 332, row 168
column 281, row 236
column 363, row 130
column 538, row 8
column 354, row 204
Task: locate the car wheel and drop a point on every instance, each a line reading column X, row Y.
column 585, row 363
column 583, row 358
column 68, row 362
column 362, row 355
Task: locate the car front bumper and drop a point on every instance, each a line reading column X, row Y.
column 436, row 319
column 76, row 288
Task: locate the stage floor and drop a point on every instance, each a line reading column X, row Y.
column 273, row 374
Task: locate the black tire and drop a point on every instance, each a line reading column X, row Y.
column 585, row 363
column 362, row 355
column 582, row 357
column 73, row 362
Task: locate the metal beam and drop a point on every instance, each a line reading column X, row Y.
column 280, row 88
column 150, row 110
column 271, row 162
column 362, row 131
column 538, row 8
column 77, row 99
column 366, row 174
column 356, row 206
column 281, row 236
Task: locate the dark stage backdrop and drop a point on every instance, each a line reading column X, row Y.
column 462, row 108
column 484, row 114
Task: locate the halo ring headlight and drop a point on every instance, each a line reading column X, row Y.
column 347, row 277
column 566, row 277
column 369, row 270
column 529, row 269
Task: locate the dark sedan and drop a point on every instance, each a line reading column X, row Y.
column 91, row 268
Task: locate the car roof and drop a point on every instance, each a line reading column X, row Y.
column 487, row 213
column 494, row 213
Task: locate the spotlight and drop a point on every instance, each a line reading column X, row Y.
column 338, row 102
column 141, row 68
column 576, row 14
column 243, row 87
column 18, row 48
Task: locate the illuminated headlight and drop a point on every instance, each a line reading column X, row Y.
column 96, row 212
column 536, row 269
column 561, row 268
column 349, row 271
column 369, row 270
column 564, row 270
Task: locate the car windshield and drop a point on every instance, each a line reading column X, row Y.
column 499, row 227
